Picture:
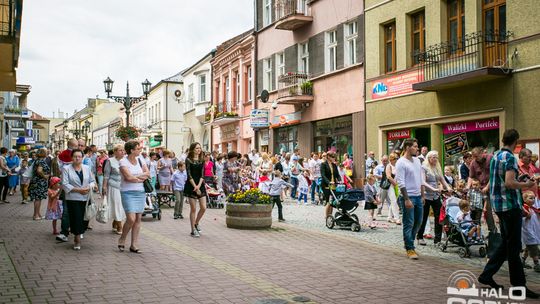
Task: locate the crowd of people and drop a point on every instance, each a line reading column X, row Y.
column 410, row 182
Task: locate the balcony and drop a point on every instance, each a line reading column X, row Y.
column 291, row 14
column 477, row 58
column 10, row 30
column 294, row 89
column 17, row 126
column 201, row 108
column 17, row 113
column 221, row 114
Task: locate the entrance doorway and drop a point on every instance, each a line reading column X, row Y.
column 423, row 135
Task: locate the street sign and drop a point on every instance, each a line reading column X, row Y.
column 158, row 137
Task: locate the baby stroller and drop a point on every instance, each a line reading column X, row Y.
column 455, row 233
column 155, row 211
column 346, row 202
column 214, row 197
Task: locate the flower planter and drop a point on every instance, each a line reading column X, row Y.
column 249, row 216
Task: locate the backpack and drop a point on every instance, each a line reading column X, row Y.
column 385, row 183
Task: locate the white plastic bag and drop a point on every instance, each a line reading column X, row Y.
column 102, row 215
column 91, row 208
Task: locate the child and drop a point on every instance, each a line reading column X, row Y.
column 344, row 177
column 54, row 207
column 372, row 201
column 25, row 181
column 530, row 232
column 460, row 189
column 178, row 181
column 476, row 200
column 303, row 187
column 449, row 176
column 276, row 188
column 465, row 220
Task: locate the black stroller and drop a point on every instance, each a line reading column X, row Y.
column 346, row 202
column 455, row 234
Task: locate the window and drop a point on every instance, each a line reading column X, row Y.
column 267, row 12
column 249, row 84
column 456, row 25
column 35, row 135
column 351, row 37
column 390, row 48
column 303, row 58
column 331, row 54
column 227, row 89
column 189, row 104
column 237, row 91
column 494, row 27
column 202, row 88
column 418, row 36
column 280, row 64
column 267, row 74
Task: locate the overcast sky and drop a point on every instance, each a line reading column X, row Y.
column 68, row 47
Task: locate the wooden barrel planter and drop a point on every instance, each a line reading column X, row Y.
column 249, row 216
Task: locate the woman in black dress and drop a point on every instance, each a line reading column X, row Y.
column 194, row 188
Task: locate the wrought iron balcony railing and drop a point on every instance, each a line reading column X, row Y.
column 294, row 84
column 474, row 51
column 286, row 8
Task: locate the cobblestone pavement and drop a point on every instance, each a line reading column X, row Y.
column 223, row 266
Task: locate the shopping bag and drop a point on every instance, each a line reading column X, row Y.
column 102, row 215
column 91, row 208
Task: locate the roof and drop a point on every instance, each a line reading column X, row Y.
column 211, row 53
column 227, row 44
column 36, row 116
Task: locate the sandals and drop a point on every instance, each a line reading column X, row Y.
column 134, row 250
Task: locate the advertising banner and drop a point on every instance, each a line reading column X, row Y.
column 395, row 85
column 286, row 119
column 471, row 126
column 456, row 144
column 259, row 118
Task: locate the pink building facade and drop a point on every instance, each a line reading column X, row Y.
column 310, row 59
column 233, row 85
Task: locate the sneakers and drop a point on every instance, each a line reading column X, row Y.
column 195, row 233
column 198, row 228
column 180, row 216
column 176, row 217
column 411, row 254
column 62, row 238
column 422, row 242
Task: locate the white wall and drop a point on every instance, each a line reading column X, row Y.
column 100, row 137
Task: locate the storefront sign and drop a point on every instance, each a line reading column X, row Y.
column 259, row 118
column 25, row 140
column 395, row 85
column 154, row 143
column 229, row 132
column 456, row 144
column 398, row 134
column 471, row 126
column 286, row 119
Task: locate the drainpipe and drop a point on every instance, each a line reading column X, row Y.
column 166, row 115
column 209, row 127
column 254, row 75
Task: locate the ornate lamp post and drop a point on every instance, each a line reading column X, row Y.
column 127, row 101
column 86, row 130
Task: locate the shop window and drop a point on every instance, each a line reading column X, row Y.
column 418, row 35
column 390, row 47
column 456, row 26
column 287, row 139
column 334, row 135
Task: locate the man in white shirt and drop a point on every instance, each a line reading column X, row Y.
column 409, row 176
column 378, row 173
column 370, row 159
column 314, row 166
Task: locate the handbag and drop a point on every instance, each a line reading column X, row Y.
column 91, row 209
column 385, row 183
column 146, row 184
column 102, row 215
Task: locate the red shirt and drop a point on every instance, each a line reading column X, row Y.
column 65, row 156
column 480, row 171
column 208, row 168
column 529, row 170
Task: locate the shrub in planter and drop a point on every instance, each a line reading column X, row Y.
column 249, row 209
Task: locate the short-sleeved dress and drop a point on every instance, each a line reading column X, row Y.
column 39, row 185
column 164, row 174
column 195, row 171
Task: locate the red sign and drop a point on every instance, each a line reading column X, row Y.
column 398, row 134
column 471, row 126
column 395, row 85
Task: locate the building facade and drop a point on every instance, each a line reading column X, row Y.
column 39, row 127
column 195, row 102
column 16, row 127
column 233, row 94
column 164, row 115
column 10, row 36
column 454, row 74
column 310, row 59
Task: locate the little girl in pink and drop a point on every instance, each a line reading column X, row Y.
column 54, row 207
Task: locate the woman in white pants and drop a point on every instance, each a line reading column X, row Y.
column 390, row 193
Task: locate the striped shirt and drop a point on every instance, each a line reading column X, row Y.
column 502, row 198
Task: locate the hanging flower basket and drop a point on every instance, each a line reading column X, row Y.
column 127, row 133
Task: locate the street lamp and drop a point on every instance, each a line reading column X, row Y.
column 86, row 129
column 127, row 101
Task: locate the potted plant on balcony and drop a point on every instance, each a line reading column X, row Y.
column 249, row 209
column 307, row 88
column 127, row 133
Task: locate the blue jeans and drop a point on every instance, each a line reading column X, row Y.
column 412, row 219
column 302, row 196
column 314, row 189
column 294, row 183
